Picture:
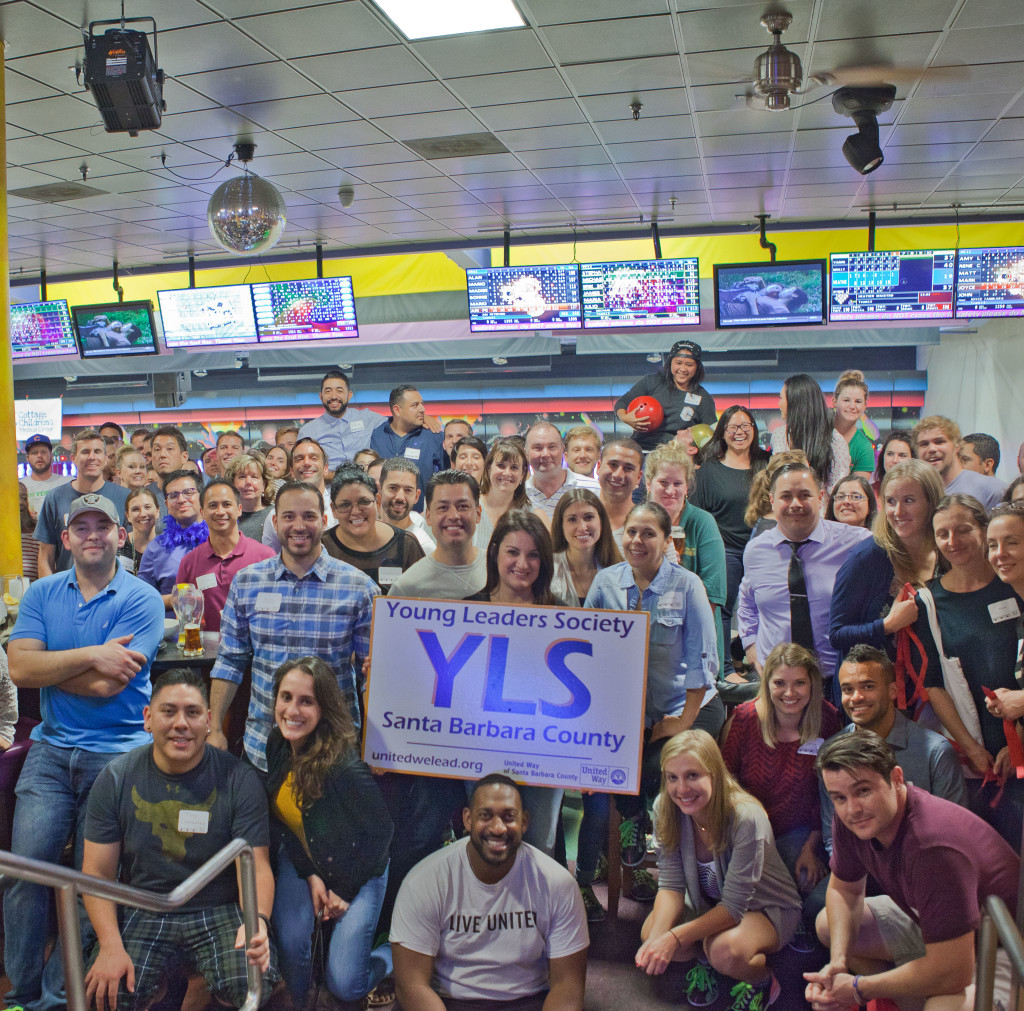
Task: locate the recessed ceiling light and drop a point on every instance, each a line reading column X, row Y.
column 421, row 19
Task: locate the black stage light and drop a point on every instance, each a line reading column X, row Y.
column 863, row 105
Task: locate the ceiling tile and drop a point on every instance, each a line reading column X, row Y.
column 258, row 83
column 400, row 99
column 316, row 30
column 46, row 115
column 619, row 39
column 989, row 14
column 429, row 124
column 980, row 45
column 383, row 65
column 521, row 115
column 487, row 53
column 708, row 30
column 26, row 30
column 498, row 88
column 556, row 12
column 545, row 137
column 624, row 76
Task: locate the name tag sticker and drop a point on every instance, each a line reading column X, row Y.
column 1004, row 610
column 693, row 398
column 194, row 821
column 267, row 600
column 207, row 581
column 412, row 454
column 356, row 426
column 811, row 747
column 671, row 601
column 388, row 574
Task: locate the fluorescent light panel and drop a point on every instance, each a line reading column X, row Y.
column 423, row 19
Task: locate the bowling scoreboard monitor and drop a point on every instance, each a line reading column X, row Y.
column 317, row 309
column 990, row 282
column 641, row 293
column 42, row 329
column 524, row 298
column 909, row 284
column 207, row 317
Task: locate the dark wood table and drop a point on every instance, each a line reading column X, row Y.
column 168, row 656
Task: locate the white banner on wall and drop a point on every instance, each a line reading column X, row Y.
column 551, row 696
column 38, row 416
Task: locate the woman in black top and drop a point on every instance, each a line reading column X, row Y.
column 677, row 388
column 722, row 487
column 380, row 550
column 332, row 832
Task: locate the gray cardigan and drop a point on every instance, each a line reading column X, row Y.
column 753, row 876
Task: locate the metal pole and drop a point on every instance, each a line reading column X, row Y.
column 71, row 947
column 985, row 974
column 250, row 911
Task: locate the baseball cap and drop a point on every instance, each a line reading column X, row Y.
column 92, row 502
column 38, row 440
column 686, row 349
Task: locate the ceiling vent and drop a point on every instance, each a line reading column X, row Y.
column 462, row 145
column 56, row 193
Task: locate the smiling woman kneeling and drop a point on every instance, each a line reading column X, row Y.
column 723, row 890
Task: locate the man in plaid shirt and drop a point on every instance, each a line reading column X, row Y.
column 302, row 602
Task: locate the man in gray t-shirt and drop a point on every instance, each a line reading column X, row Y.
column 40, row 479
column 937, row 440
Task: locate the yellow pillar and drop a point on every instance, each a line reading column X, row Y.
column 10, row 528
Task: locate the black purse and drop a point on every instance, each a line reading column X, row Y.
column 318, row 997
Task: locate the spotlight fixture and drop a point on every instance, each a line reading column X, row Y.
column 863, row 105
column 346, row 194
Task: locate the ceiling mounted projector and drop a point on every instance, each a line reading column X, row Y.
column 122, row 74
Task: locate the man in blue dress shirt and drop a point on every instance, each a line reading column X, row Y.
column 763, row 605
column 407, row 435
column 341, row 430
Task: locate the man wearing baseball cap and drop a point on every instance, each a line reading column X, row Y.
column 85, row 638
column 40, row 478
column 677, row 388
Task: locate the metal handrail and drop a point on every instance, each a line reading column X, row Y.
column 69, row 884
column 998, row 928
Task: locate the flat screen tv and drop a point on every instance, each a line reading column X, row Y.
column 524, row 298
column 781, row 294
column 42, row 330
column 318, row 309
column 898, row 284
column 641, row 293
column 198, row 317
column 114, row 329
column 990, row 282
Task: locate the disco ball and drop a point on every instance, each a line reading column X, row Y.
column 246, row 215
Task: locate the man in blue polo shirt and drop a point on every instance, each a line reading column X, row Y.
column 407, row 435
column 86, row 638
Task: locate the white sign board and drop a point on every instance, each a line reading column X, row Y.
column 551, row 696
column 42, row 416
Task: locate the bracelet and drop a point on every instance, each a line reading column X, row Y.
column 264, row 918
column 856, row 991
column 672, row 931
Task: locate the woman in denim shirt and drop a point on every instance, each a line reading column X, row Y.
column 682, row 658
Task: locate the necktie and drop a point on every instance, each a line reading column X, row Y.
column 799, row 606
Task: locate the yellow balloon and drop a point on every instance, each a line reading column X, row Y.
column 701, row 435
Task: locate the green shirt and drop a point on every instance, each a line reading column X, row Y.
column 862, row 452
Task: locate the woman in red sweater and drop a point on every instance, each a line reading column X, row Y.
column 770, row 747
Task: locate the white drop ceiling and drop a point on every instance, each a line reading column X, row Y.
column 330, row 92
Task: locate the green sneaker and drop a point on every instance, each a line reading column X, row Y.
column 747, row 997
column 644, row 887
column 632, row 841
column 601, row 874
column 701, row 986
column 591, row 905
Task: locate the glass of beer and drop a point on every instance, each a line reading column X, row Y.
column 679, row 542
column 193, row 640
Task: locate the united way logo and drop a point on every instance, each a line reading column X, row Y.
column 618, row 777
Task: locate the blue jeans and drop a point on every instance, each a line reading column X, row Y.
column 52, row 792
column 352, row 968
column 733, row 577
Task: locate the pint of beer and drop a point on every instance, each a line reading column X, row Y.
column 193, row 640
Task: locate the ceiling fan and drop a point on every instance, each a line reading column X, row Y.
column 778, row 73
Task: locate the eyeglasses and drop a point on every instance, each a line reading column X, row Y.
column 173, row 496
column 739, row 429
column 347, row 507
column 850, row 496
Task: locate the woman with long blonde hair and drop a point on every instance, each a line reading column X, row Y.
column 715, row 848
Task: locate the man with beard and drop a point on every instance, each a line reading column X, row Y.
column 491, row 921
column 40, row 478
column 399, row 493
column 341, row 430
column 309, row 465
column 407, row 434
column 301, row 602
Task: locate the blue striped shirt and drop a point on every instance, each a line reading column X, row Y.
column 271, row 615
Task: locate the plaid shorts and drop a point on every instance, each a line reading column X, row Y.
column 198, row 940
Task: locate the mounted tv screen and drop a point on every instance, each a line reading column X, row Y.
column 641, row 293
column 990, row 282
column 42, row 330
column 781, row 294
column 114, row 329
column 907, row 284
column 318, row 309
column 524, row 298
column 204, row 317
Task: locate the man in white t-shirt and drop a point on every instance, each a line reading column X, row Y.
column 40, row 478
column 490, row 922
column 549, row 480
column 398, row 493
